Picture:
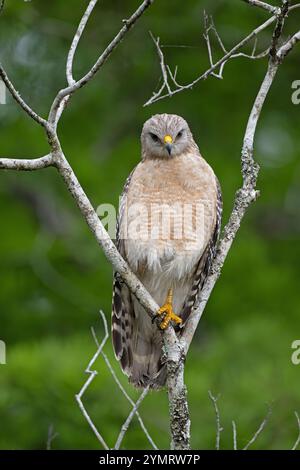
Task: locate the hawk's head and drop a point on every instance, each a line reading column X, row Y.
column 166, row 136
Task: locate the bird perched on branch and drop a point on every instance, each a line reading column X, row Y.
column 167, row 230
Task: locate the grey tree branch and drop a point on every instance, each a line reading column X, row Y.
column 128, row 24
column 234, row 434
column 51, row 436
column 259, row 430
column 25, row 164
column 134, row 410
column 17, row 97
column 233, row 53
column 117, row 381
column 76, row 39
column 263, row 5
column 175, row 349
column 91, row 376
column 219, row 428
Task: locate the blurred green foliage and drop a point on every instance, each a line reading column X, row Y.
column 54, row 278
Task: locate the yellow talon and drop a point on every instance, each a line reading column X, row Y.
column 167, row 311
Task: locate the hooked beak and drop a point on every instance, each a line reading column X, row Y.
column 168, row 143
column 169, row 148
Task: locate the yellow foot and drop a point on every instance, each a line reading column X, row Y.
column 167, row 311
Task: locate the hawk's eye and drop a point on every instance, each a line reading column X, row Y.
column 179, row 135
column 154, row 137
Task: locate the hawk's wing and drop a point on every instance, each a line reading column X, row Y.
column 122, row 306
column 204, row 265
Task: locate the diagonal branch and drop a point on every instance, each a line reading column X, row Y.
column 134, row 410
column 17, row 97
column 128, row 24
column 288, row 46
column 160, row 96
column 114, row 376
column 233, row 53
column 264, row 6
column 92, row 374
column 259, row 430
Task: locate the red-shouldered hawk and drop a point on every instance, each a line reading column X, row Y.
column 168, row 226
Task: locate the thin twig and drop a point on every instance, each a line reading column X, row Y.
column 231, row 54
column 129, row 418
column 128, row 24
column 234, row 433
column 298, row 438
column 76, row 39
column 92, row 375
column 114, row 375
column 70, row 59
column 259, row 430
column 160, row 96
column 51, row 436
column 17, row 97
column 219, row 428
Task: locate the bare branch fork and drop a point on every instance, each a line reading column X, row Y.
column 175, row 350
column 170, row 85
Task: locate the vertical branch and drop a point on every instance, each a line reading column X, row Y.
column 219, row 428
column 177, row 393
column 76, row 39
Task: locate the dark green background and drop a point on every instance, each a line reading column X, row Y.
column 54, row 278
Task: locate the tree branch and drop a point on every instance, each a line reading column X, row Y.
column 17, row 97
column 125, row 426
column 263, row 5
column 288, row 46
column 259, row 430
column 233, row 53
column 219, row 428
column 144, row 429
column 76, row 39
column 128, row 24
column 174, row 349
column 25, row 164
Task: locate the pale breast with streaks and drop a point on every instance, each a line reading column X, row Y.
column 169, row 216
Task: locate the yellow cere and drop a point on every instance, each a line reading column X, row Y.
column 168, row 139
